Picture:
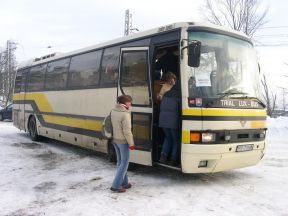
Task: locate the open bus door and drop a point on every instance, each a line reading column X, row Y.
column 134, row 80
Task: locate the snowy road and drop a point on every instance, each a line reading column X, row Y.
column 49, row 178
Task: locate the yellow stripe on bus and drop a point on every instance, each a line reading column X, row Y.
column 186, row 137
column 39, row 98
column 258, row 124
column 17, row 97
column 44, row 106
column 222, row 112
column 72, row 122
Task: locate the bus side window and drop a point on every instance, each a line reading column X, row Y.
column 57, row 70
column 18, row 81
column 24, row 80
column 84, row 69
column 110, row 66
column 36, row 78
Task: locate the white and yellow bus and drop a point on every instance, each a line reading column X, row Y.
column 66, row 96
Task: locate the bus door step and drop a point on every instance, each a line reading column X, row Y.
column 167, row 166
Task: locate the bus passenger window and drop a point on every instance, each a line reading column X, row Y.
column 23, row 80
column 36, row 78
column 109, row 66
column 17, row 87
column 56, row 76
column 84, row 70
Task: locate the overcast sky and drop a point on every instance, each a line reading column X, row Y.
column 68, row 25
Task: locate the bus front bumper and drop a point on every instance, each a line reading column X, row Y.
column 219, row 157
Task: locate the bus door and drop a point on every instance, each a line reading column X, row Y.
column 23, row 100
column 134, row 80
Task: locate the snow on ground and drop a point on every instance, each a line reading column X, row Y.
column 50, row 178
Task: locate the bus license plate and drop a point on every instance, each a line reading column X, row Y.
column 243, row 148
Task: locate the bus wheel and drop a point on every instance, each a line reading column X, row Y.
column 111, row 153
column 1, row 117
column 32, row 128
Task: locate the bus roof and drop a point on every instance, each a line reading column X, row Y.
column 139, row 35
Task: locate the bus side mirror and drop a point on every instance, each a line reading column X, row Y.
column 194, row 52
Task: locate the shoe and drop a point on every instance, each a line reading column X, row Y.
column 163, row 159
column 127, row 186
column 119, row 190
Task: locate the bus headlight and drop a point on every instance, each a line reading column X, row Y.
column 208, row 137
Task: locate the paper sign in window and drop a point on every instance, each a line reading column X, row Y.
column 203, row 80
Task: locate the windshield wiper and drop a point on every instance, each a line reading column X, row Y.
column 225, row 94
column 231, row 92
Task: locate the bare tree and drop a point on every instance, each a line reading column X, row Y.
column 269, row 97
column 241, row 15
column 7, row 71
column 2, row 77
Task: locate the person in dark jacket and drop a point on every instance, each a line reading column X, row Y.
column 169, row 121
column 168, row 62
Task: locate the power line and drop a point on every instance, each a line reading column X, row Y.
column 271, row 45
column 274, row 42
column 271, row 27
column 273, row 35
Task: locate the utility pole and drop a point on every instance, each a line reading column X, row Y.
column 128, row 23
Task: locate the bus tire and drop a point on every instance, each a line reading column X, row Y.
column 32, row 128
column 111, row 153
column 1, row 117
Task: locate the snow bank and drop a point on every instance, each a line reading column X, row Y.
column 277, row 127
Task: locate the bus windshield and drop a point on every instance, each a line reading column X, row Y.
column 228, row 66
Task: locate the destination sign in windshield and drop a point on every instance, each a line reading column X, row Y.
column 239, row 103
column 227, row 103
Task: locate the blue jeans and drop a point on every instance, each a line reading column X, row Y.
column 171, row 143
column 122, row 152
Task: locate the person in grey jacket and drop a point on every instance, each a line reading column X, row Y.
column 122, row 141
column 169, row 121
